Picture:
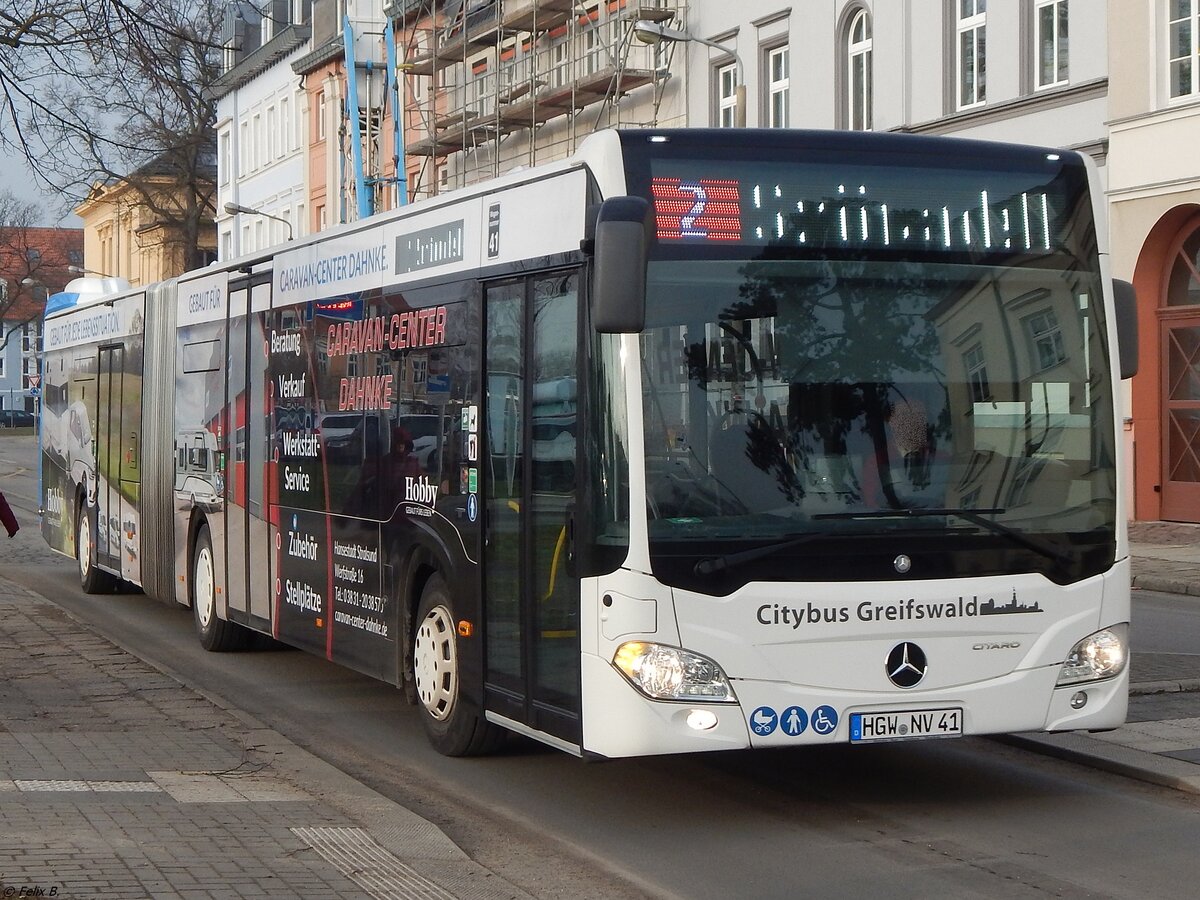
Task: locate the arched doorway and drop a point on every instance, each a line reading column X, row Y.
column 1179, row 346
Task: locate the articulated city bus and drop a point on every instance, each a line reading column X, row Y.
column 697, row 440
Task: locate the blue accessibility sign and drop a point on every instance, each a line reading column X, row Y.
column 763, row 720
column 824, row 719
column 793, row 721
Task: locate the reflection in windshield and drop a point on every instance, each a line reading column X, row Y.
column 781, row 392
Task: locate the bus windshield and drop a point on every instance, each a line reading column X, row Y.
column 835, row 397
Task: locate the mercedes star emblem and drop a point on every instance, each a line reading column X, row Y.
column 906, row 665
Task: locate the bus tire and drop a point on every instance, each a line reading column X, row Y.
column 216, row 634
column 92, row 578
column 454, row 725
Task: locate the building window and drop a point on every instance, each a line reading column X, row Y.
column 727, row 96
column 320, row 115
column 971, row 53
column 258, row 150
column 593, row 50
column 601, row 41
column 223, row 158
column 31, row 340
column 977, row 376
column 300, row 132
column 243, row 148
column 1050, row 41
column 1183, row 25
column 285, row 126
column 560, row 64
column 778, row 65
column 478, row 91
column 858, row 48
column 1183, row 286
column 1046, row 338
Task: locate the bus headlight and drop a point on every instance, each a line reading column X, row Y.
column 669, row 673
column 1100, row 655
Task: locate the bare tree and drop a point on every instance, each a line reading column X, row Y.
column 93, row 92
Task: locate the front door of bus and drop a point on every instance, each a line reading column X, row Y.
column 531, row 596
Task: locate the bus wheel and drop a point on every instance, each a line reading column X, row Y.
column 216, row 634
column 92, row 578
column 455, row 726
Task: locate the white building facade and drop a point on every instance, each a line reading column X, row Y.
column 1026, row 71
column 261, row 122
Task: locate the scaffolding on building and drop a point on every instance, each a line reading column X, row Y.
column 493, row 84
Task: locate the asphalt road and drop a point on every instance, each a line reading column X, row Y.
column 969, row 818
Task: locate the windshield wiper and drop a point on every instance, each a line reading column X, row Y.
column 733, row 560
column 974, row 516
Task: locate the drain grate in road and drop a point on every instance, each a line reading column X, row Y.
column 354, row 853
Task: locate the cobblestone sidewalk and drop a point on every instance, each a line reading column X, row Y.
column 118, row 781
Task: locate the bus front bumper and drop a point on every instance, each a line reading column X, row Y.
column 618, row 721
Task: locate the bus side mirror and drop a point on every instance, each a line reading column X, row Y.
column 1125, row 308
column 619, row 266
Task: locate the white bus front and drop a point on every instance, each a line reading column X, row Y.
column 872, row 455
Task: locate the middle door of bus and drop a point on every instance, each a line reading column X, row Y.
column 247, row 534
column 530, row 594
column 109, row 435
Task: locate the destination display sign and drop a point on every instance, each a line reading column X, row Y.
column 858, row 207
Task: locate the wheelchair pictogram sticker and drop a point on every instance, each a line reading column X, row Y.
column 824, row 720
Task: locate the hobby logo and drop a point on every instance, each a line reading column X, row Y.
column 419, row 490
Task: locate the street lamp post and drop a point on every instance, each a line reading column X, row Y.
column 234, row 208
column 656, row 33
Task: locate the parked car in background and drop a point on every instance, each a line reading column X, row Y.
column 17, row 418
